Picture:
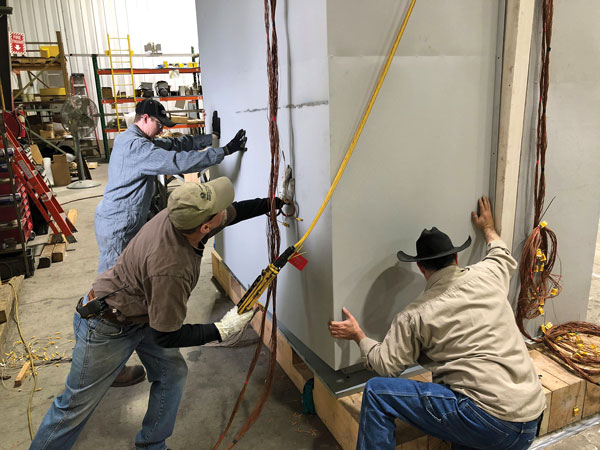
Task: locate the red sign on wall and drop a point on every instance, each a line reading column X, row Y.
column 17, row 44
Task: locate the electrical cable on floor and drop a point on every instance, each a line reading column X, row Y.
column 30, row 355
column 82, row 198
column 269, row 275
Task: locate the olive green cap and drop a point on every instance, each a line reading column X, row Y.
column 192, row 203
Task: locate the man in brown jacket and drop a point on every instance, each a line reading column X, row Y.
column 485, row 392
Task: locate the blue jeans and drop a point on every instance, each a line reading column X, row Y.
column 101, row 350
column 438, row 411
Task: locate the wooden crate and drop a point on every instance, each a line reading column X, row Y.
column 567, row 391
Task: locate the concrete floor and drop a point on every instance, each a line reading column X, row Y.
column 46, row 306
column 216, row 374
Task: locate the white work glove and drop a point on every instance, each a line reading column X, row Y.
column 232, row 322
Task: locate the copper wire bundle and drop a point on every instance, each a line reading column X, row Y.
column 273, row 237
column 573, row 342
column 539, row 252
column 538, row 284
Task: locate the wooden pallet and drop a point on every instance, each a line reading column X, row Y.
column 568, row 397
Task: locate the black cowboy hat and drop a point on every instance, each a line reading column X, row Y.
column 433, row 244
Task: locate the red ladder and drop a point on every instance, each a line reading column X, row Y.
column 40, row 193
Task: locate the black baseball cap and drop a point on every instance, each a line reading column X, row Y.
column 154, row 109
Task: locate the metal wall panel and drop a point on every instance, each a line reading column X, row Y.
column 422, row 160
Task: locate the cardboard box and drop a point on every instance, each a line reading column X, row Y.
column 60, row 170
column 107, row 93
column 48, row 51
column 36, row 154
column 179, row 119
column 47, row 134
column 45, row 92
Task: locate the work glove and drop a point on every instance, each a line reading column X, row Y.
column 232, row 322
column 237, row 144
column 216, row 124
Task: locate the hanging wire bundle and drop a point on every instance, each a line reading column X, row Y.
column 539, row 252
column 575, row 343
column 273, row 237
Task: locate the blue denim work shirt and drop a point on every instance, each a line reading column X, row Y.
column 134, row 162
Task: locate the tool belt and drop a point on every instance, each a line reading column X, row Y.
column 97, row 307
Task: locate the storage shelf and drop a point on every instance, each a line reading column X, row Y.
column 179, row 125
column 162, row 99
column 149, row 71
column 41, row 102
column 35, row 63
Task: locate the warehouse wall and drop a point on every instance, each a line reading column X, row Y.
column 423, row 158
column 573, row 162
column 85, row 23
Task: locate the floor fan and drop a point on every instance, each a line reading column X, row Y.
column 79, row 116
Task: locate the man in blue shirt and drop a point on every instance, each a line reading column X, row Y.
column 137, row 158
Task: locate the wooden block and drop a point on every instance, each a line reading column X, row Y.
column 221, row 273
column 72, row 215
column 46, row 256
column 92, row 164
column 58, row 253
column 568, row 391
column 591, row 403
column 546, row 418
column 421, row 443
column 336, row 418
column 190, row 177
column 55, row 238
column 438, row 444
column 22, row 373
column 425, row 377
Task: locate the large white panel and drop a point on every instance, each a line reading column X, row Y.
column 233, row 55
column 423, row 158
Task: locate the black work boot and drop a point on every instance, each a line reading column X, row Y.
column 129, row 376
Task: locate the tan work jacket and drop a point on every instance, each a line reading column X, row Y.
column 463, row 330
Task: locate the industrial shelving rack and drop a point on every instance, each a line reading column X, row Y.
column 132, row 100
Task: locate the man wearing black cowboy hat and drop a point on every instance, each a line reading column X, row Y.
column 485, row 391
